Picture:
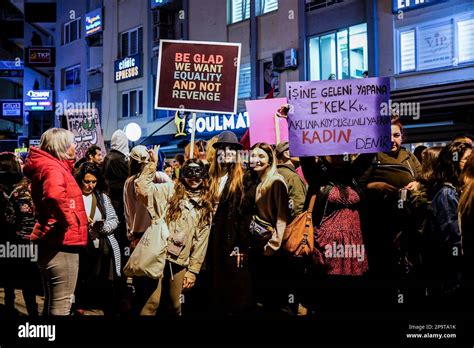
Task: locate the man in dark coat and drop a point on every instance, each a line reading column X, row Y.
column 115, row 171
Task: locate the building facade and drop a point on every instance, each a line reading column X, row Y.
column 105, row 52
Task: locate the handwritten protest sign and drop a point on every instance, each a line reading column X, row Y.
column 262, row 121
column 338, row 117
column 85, row 125
column 198, row 76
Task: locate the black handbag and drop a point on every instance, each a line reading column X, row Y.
column 261, row 229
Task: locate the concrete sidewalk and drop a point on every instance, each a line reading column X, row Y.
column 21, row 307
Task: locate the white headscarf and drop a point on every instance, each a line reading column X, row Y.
column 119, row 142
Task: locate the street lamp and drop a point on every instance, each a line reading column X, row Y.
column 133, row 132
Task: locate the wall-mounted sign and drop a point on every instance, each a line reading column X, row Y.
column 128, row 68
column 94, row 22
column 198, row 76
column 35, row 142
column 11, row 107
column 44, row 56
column 219, row 123
column 158, row 3
column 38, row 101
column 21, row 150
column 11, row 68
column 407, row 5
column 435, row 46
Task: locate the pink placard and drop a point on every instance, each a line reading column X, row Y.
column 262, row 121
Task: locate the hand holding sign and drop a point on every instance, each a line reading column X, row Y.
column 283, row 111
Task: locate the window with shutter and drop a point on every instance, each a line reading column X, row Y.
column 466, row 40
column 133, row 42
column 140, row 40
column 407, row 50
column 125, row 44
column 71, row 31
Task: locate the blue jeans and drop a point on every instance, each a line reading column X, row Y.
column 59, row 271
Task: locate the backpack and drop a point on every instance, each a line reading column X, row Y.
column 298, row 239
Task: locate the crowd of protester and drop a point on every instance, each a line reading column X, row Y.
column 391, row 230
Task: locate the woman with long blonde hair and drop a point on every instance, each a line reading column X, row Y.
column 271, row 210
column 230, row 279
column 187, row 210
column 272, row 201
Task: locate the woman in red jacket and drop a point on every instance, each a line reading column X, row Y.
column 61, row 227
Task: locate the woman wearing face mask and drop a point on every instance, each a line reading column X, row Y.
column 188, row 217
column 101, row 266
column 272, row 209
column 230, row 278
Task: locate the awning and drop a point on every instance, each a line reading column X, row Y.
column 445, row 110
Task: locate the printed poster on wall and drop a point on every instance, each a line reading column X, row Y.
column 336, row 117
column 198, row 76
column 85, row 125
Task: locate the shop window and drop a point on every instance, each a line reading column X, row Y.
column 314, row 61
column 358, row 50
column 437, row 44
column 340, row 55
column 328, row 56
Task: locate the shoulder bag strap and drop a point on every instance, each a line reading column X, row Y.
column 93, row 207
column 311, row 204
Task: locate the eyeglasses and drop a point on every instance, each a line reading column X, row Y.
column 87, row 182
column 194, row 172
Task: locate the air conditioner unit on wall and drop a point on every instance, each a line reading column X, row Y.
column 285, row 60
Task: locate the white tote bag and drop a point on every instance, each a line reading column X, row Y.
column 149, row 257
